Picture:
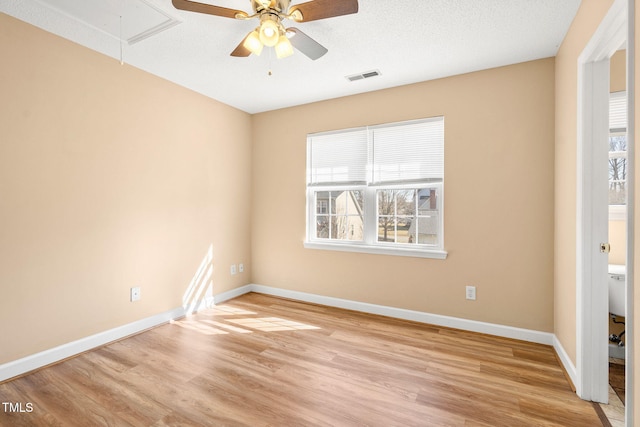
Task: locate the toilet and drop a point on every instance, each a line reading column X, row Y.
column 617, row 292
column 617, row 307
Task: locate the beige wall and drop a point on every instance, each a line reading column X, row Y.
column 588, row 18
column 618, row 229
column 498, row 200
column 618, row 71
column 109, row 178
column 618, row 242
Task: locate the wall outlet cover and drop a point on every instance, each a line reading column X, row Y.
column 471, row 293
column 135, row 294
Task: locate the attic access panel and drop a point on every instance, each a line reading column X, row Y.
column 139, row 18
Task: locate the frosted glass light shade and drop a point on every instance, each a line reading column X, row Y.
column 253, row 43
column 284, row 48
column 269, row 33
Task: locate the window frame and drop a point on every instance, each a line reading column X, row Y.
column 423, row 246
column 618, row 212
column 330, row 211
column 369, row 243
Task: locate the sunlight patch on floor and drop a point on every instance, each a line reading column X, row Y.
column 198, row 327
column 226, row 311
column 228, row 327
column 270, row 324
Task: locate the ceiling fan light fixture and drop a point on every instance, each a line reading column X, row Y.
column 253, row 43
column 269, row 32
column 284, row 47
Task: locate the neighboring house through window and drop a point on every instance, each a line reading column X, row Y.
column 377, row 189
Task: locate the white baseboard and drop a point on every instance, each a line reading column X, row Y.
column 47, row 357
column 546, row 338
column 233, row 293
column 38, row 360
column 53, row 355
column 416, row 316
column 194, row 307
column 568, row 365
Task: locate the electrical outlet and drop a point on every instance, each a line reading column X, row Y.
column 233, row 269
column 471, row 293
column 241, row 268
column 135, row 294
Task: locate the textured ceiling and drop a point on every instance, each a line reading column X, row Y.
column 407, row 41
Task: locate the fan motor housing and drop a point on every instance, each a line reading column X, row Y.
column 280, row 6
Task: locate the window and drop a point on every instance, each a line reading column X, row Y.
column 377, row 189
column 408, row 216
column 339, row 215
column 617, row 155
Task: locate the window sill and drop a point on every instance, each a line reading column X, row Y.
column 368, row 249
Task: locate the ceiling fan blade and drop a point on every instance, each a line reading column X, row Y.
column 321, row 9
column 306, row 44
column 240, row 50
column 193, row 6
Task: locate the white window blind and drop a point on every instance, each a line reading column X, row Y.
column 392, row 153
column 408, row 152
column 618, row 110
column 338, row 158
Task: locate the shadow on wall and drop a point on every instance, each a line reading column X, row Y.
column 201, row 287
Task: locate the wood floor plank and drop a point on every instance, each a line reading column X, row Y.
column 266, row 361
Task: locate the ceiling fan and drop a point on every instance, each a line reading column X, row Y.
column 271, row 31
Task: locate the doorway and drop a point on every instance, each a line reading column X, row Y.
column 592, row 362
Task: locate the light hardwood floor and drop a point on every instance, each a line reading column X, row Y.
column 265, row 361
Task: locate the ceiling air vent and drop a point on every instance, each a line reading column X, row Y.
column 363, row 76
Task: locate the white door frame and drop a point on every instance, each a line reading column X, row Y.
column 592, row 205
column 631, row 189
column 592, row 229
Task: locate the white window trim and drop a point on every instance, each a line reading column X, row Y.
column 369, row 243
column 379, row 250
column 370, row 235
